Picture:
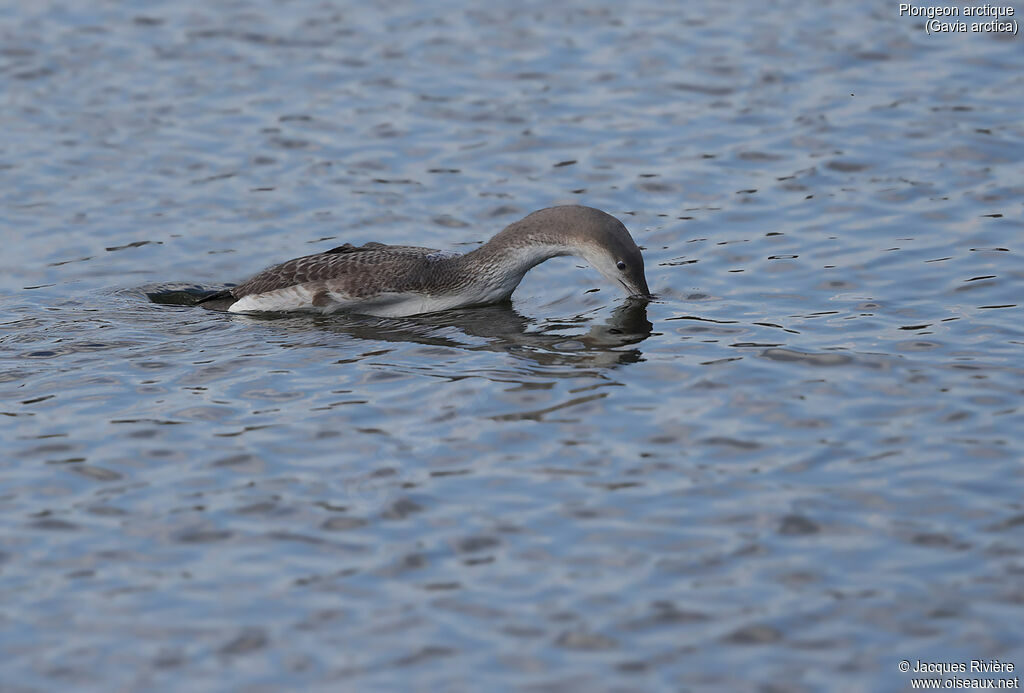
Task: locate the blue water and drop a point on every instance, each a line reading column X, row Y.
column 799, row 466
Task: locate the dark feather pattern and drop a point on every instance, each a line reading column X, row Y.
column 358, row 271
column 396, row 280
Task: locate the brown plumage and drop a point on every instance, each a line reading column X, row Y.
column 395, row 280
column 352, row 269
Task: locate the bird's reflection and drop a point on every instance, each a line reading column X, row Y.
column 486, row 328
column 502, row 328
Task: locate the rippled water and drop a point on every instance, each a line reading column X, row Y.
column 798, row 467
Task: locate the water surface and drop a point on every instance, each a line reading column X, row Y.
column 799, row 466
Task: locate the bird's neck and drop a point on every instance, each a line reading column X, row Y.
column 500, row 264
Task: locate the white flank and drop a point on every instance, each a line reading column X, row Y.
column 291, row 298
column 385, row 305
column 497, row 287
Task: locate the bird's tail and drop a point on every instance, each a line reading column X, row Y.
column 185, row 294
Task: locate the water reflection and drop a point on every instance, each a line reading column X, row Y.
column 485, row 328
column 505, row 329
column 815, row 456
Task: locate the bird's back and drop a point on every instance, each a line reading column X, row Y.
column 358, row 270
column 347, row 277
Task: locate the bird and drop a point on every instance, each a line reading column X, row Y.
column 401, row 280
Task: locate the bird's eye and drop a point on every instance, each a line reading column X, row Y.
column 621, row 265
